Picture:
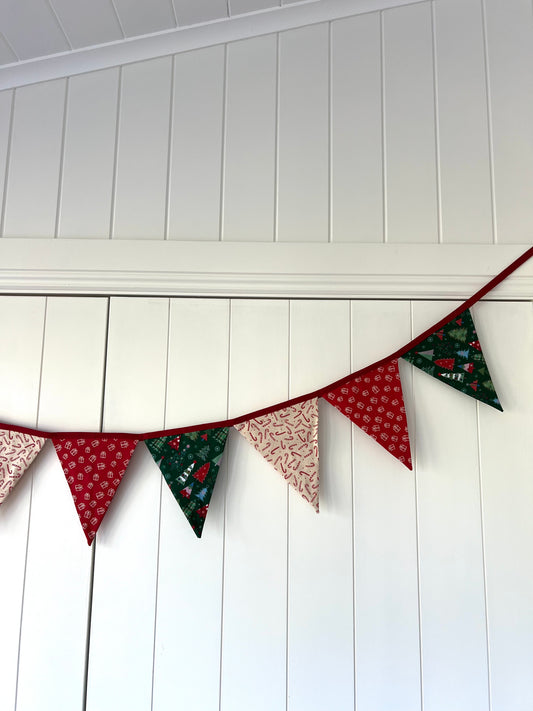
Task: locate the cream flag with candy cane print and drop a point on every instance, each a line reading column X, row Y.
column 17, row 452
column 288, row 439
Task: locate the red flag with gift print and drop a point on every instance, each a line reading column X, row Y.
column 288, row 439
column 374, row 402
column 93, row 467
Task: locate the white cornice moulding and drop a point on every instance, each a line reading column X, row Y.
column 160, row 44
column 274, row 270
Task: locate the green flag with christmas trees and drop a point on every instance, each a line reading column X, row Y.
column 453, row 355
column 190, row 462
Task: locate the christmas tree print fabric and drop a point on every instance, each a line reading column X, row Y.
column 288, row 439
column 190, row 462
column 93, row 468
column 453, row 355
column 374, row 402
column 17, row 452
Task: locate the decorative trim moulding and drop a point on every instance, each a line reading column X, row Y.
column 183, row 39
column 275, row 270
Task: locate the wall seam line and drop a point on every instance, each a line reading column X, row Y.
column 170, row 146
column 490, row 133
column 8, row 162
column 59, row 201
column 112, row 210
column 223, row 137
column 436, row 120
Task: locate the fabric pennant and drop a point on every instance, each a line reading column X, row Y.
column 453, row 355
column 190, row 463
column 17, row 452
column 93, row 468
column 374, row 402
column 288, row 439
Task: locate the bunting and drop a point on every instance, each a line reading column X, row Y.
column 17, row 452
column 286, row 434
column 189, row 464
column 374, row 402
column 288, row 439
column 93, row 468
column 453, row 355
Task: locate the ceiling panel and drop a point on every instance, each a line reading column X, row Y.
column 88, row 23
column 239, row 7
column 6, row 53
column 31, row 28
column 139, row 17
column 191, row 12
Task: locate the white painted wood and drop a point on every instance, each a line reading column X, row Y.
column 187, row 646
column 33, row 170
column 141, row 170
column 6, row 52
column 87, row 24
column 196, row 148
column 185, row 39
column 255, row 562
column 409, row 113
column 239, row 7
column 356, row 130
column 6, row 107
column 506, row 463
column 138, row 18
column 250, row 140
column 230, row 269
column 57, row 582
column 320, row 614
column 510, row 64
column 22, row 322
column 40, row 37
column 121, row 653
column 88, row 158
column 386, row 587
column 465, row 170
column 189, row 12
column 303, row 199
column 452, row 596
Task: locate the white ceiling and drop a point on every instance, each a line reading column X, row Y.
column 30, row 29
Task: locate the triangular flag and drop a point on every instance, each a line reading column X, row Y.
column 455, row 351
column 374, row 402
column 94, row 468
column 288, row 439
column 17, row 452
column 190, row 463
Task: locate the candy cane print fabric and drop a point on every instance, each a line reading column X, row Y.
column 93, row 468
column 374, row 402
column 288, row 439
column 17, row 452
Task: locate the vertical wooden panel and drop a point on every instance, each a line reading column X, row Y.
column 356, row 130
column 6, row 103
column 33, row 172
column 255, row 572
column 22, row 324
column 386, row 597
column 141, row 181
column 124, row 597
column 411, row 172
column 320, row 624
column 303, row 183
column 187, row 647
column 463, row 125
column 89, row 151
column 249, row 168
column 195, row 163
column 57, row 584
column 452, row 597
column 506, row 332
column 510, row 66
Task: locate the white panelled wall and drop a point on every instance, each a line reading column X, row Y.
column 411, row 124
column 409, row 590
